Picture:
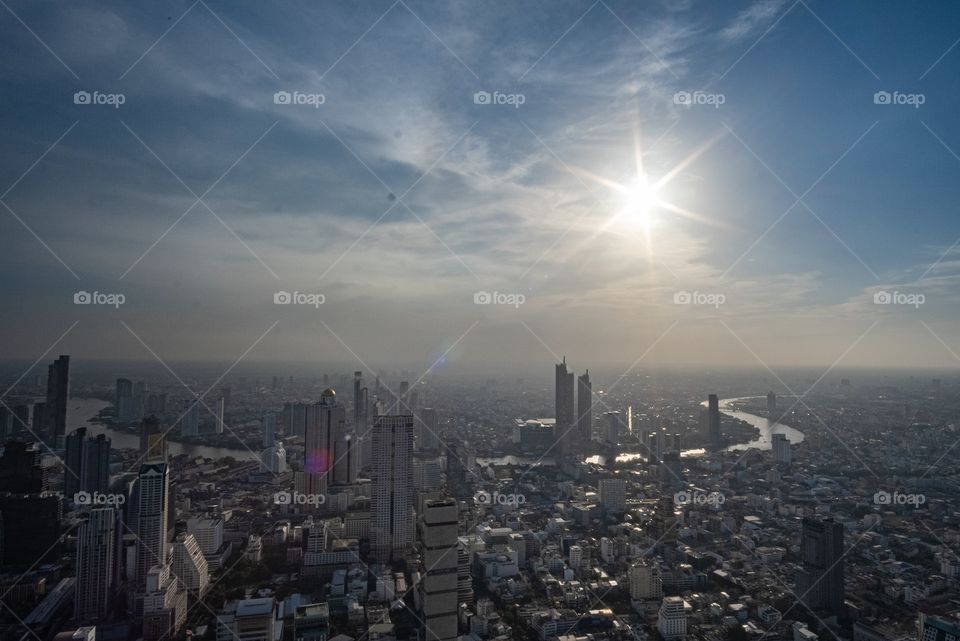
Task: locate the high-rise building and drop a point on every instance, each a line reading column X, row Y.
column 190, row 420
column 464, row 575
column 269, row 429
column 613, row 494
column 87, row 463
column 584, row 409
column 358, row 408
column 392, row 501
column 294, row 419
column 125, row 402
column 219, row 415
column 58, row 394
column 164, row 604
column 612, row 427
column 934, row 628
column 98, row 559
column 771, row 406
column 646, row 581
column 330, row 454
column 781, row 449
column 438, row 583
column 672, row 620
column 564, row 406
column 153, row 489
column 153, row 440
column 31, row 514
column 713, row 421
column 427, row 426
column 189, row 565
column 820, row 579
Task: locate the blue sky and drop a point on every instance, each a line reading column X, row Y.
column 399, row 197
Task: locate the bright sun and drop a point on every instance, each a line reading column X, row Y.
column 640, row 197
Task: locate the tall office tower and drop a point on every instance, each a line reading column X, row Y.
column 87, row 463
column 427, row 426
column 646, row 581
column 153, row 494
column 189, row 565
column 153, row 440
column 58, row 393
column 564, row 406
column 612, row 424
column 464, row 576
column 781, row 449
column 294, row 419
column 438, row 584
column 269, row 421
column 219, row 415
column 820, row 579
column 392, row 500
column 190, row 419
column 357, row 401
column 613, row 495
column 31, row 514
column 123, row 400
column 325, row 444
column 584, row 409
column 713, row 418
column 771, row 406
column 21, row 419
column 98, row 558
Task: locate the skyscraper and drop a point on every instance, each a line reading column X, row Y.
column 771, row 406
column 153, row 440
column 190, row 420
column 781, row 449
column 820, row 579
column 357, row 401
column 98, row 557
column 438, row 585
column 123, row 400
column 426, row 429
column 153, row 489
column 189, row 565
column 269, row 429
column 713, row 421
column 87, row 463
column 329, row 456
column 392, row 501
column 58, row 393
column 219, row 415
column 563, row 405
column 584, row 409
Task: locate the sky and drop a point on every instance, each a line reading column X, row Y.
column 468, row 184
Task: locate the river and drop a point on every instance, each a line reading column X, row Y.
column 80, row 411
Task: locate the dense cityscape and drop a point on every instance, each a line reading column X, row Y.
column 479, row 320
column 274, row 507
